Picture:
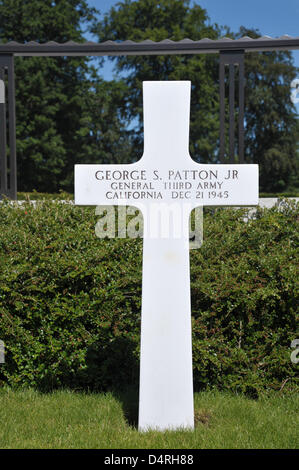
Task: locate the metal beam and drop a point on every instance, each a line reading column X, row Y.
column 148, row 47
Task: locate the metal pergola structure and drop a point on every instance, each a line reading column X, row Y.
column 231, row 54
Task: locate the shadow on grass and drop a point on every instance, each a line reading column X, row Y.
column 129, row 399
column 114, row 368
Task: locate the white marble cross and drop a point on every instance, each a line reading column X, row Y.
column 166, row 184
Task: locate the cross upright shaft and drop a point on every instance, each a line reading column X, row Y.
column 166, row 123
column 166, row 385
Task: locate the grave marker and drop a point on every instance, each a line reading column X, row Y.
column 166, row 184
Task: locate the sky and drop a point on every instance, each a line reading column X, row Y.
column 272, row 17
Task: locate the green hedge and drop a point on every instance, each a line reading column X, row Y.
column 280, row 195
column 70, row 302
column 36, row 196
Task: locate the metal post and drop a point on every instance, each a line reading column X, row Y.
column 12, row 128
column 232, row 59
column 8, row 169
column 222, row 108
column 231, row 113
column 3, row 159
column 241, row 109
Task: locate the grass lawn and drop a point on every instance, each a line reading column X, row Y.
column 64, row 419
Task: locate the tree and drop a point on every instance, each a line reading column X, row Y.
column 102, row 135
column 272, row 126
column 168, row 19
column 56, row 96
column 270, row 118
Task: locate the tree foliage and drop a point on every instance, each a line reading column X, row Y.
column 270, row 117
column 173, row 19
column 272, row 126
column 65, row 113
